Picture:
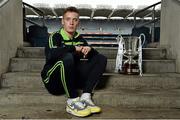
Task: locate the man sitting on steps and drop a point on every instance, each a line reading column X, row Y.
column 64, row 72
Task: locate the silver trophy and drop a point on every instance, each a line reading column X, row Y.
column 130, row 47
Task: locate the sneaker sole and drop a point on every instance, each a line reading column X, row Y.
column 93, row 111
column 75, row 114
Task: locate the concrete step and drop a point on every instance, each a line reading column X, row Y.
column 33, row 81
column 54, row 111
column 110, row 52
column 36, row 65
column 125, row 98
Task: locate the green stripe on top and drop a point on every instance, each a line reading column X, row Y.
column 51, row 41
column 62, row 75
column 73, row 43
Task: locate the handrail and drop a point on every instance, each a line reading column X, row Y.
column 41, row 13
column 142, row 10
column 153, row 21
column 147, row 23
column 30, row 21
column 3, row 3
column 34, row 9
column 146, row 8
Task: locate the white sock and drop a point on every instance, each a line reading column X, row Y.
column 85, row 96
column 70, row 100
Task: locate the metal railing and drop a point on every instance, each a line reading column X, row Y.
column 40, row 13
column 152, row 22
column 3, row 2
column 25, row 19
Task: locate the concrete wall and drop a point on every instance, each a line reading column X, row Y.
column 170, row 29
column 11, row 32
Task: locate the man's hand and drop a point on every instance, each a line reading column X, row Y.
column 85, row 50
column 78, row 48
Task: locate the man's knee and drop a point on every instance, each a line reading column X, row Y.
column 102, row 59
column 68, row 59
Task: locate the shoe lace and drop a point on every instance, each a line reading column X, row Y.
column 79, row 104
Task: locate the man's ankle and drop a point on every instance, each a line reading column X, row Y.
column 70, row 100
column 85, row 96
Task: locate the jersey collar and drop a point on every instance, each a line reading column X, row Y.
column 65, row 36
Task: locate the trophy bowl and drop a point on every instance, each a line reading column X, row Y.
column 130, row 65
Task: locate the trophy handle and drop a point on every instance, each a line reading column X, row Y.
column 119, row 38
column 119, row 56
column 142, row 42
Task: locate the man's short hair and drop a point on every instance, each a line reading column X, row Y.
column 70, row 9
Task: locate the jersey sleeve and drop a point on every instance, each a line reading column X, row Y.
column 56, row 48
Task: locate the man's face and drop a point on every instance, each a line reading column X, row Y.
column 70, row 21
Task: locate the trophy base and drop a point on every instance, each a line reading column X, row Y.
column 130, row 69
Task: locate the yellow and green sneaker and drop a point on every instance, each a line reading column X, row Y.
column 91, row 106
column 77, row 108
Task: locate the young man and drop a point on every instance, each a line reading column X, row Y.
column 64, row 70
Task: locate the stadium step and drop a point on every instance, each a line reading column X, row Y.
column 148, row 91
column 154, row 59
column 109, row 52
column 54, row 111
column 36, row 65
column 33, row 81
column 120, row 96
column 126, row 98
